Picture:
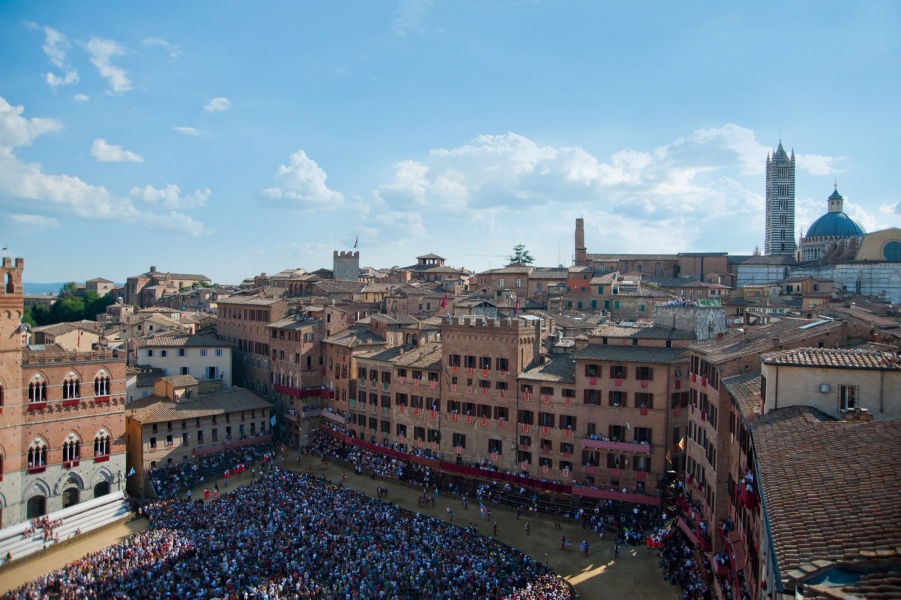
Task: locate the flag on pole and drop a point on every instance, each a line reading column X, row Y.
column 356, row 241
column 516, row 310
column 272, row 421
column 444, row 301
column 131, row 472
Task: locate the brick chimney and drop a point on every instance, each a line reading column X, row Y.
column 857, row 415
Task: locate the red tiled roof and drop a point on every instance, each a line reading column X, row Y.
column 829, row 488
column 832, row 358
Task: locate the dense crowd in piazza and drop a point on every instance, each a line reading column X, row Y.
column 290, row 535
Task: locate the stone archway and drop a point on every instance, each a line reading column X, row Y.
column 35, row 507
column 101, row 489
column 71, row 496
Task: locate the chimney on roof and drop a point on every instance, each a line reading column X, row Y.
column 152, row 269
column 719, row 336
column 776, row 343
column 857, row 415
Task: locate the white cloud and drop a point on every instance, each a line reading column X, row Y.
column 26, row 183
column 102, row 54
column 81, row 97
column 171, row 196
column 300, row 184
column 817, row 164
column 173, row 50
column 35, row 223
column 68, row 79
column 55, row 46
column 187, row 131
column 217, row 104
column 105, row 152
column 16, row 131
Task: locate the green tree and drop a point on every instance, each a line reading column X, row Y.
column 67, row 309
column 68, row 290
column 520, row 256
column 94, row 304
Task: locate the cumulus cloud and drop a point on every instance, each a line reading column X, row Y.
column 217, row 104
column 105, row 152
column 55, row 46
column 173, row 50
column 300, row 184
column 187, row 131
column 81, row 97
column 171, row 196
column 55, row 81
column 102, row 53
column 35, row 223
column 28, row 184
column 817, row 164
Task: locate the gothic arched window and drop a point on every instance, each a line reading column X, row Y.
column 102, row 384
column 37, row 390
column 101, row 444
column 71, row 449
column 37, row 454
column 71, row 387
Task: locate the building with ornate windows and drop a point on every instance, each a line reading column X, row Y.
column 62, row 418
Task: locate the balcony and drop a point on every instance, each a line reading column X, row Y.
column 35, row 406
column 101, row 399
column 72, row 402
column 101, row 458
column 636, row 448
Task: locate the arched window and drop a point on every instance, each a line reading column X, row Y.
column 71, row 387
column 37, row 454
column 71, row 449
column 101, row 444
column 102, row 384
column 37, row 390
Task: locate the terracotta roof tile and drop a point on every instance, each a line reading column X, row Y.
column 558, row 370
column 833, row 358
column 828, row 487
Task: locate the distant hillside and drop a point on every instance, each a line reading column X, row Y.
column 41, row 288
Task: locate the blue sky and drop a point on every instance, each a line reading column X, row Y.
column 231, row 138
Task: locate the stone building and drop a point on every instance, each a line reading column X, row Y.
column 63, row 412
column 178, row 424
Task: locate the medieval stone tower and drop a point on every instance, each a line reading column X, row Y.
column 346, row 266
column 11, row 309
column 780, row 203
column 581, row 257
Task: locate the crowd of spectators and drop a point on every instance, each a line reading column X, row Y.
column 289, row 535
column 173, row 479
column 680, row 567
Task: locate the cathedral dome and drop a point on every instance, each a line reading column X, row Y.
column 835, row 224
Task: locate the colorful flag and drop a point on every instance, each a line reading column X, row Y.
column 131, row 472
column 516, row 310
column 444, row 301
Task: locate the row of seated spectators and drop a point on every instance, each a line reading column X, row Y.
column 215, row 465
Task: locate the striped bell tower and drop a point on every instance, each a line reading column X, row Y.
column 780, row 203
